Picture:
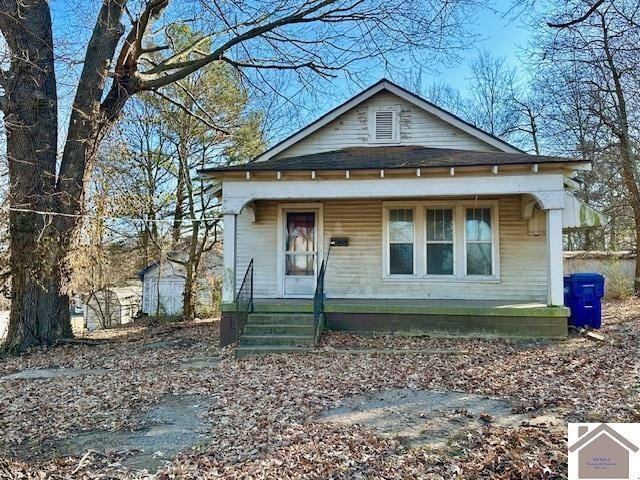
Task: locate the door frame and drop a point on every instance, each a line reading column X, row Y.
column 283, row 208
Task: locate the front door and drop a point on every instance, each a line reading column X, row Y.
column 300, row 252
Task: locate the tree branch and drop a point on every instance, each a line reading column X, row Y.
column 185, row 70
column 580, row 19
column 189, row 112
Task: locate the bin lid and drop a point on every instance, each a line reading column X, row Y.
column 585, row 277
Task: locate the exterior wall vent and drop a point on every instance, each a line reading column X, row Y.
column 383, row 124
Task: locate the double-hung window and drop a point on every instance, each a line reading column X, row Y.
column 440, row 252
column 441, row 240
column 479, row 241
column 401, row 240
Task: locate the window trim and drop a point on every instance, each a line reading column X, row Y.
column 386, row 244
column 395, row 122
column 459, row 246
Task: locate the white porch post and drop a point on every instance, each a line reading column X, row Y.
column 554, row 257
column 229, row 258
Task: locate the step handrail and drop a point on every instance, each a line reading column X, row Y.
column 318, row 302
column 244, row 300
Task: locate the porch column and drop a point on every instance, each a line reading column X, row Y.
column 555, row 269
column 229, row 258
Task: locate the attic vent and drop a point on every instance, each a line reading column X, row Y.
column 383, row 124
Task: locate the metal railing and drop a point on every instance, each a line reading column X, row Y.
column 244, row 300
column 318, row 302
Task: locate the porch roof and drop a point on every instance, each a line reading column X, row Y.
column 393, row 157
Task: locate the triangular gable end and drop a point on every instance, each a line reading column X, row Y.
column 421, row 122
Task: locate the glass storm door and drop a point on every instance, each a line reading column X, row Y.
column 300, row 254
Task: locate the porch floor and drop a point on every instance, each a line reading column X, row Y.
column 498, row 308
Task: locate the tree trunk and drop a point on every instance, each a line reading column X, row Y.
column 179, row 212
column 40, row 242
column 39, row 312
column 191, row 268
column 189, row 303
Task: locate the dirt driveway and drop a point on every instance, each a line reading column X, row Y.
column 168, row 403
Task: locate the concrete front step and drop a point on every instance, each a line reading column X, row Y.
column 275, row 340
column 282, row 307
column 280, row 319
column 277, row 329
column 243, row 351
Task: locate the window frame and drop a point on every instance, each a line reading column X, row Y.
column 387, row 243
column 492, row 241
column 427, row 242
column 459, row 241
column 395, row 109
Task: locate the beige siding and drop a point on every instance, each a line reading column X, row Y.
column 259, row 241
column 417, row 127
column 356, row 271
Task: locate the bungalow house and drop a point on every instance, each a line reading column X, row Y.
column 391, row 214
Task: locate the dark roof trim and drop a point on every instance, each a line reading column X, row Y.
column 372, row 158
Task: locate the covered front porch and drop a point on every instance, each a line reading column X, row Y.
column 457, row 253
column 523, row 211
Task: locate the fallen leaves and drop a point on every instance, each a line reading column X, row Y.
column 262, row 410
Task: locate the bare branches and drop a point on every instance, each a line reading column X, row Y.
column 183, row 70
column 190, row 112
column 579, row 19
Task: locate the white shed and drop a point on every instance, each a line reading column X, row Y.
column 164, row 281
column 110, row 307
column 163, row 288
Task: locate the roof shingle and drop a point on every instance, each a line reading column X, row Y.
column 359, row 158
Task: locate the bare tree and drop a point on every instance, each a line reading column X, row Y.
column 125, row 56
column 602, row 49
column 491, row 104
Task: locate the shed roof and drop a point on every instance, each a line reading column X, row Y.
column 392, row 157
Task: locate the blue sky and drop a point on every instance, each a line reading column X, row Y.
column 495, row 30
column 502, row 36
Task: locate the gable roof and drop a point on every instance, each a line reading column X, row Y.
column 361, row 158
column 391, row 87
column 596, row 432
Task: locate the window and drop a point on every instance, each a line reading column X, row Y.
column 300, row 243
column 383, row 124
column 401, row 232
column 439, row 241
column 479, row 241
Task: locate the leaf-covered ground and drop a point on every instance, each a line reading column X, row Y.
column 261, row 412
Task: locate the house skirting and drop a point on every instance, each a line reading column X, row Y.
column 449, row 325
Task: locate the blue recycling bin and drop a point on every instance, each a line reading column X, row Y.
column 583, row 294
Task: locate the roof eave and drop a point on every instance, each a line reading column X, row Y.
column 561, row 164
